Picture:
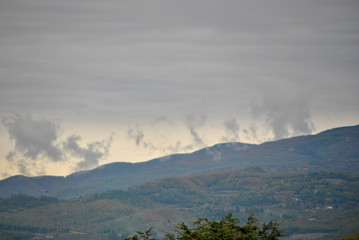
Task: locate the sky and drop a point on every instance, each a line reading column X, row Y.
column 86, row 83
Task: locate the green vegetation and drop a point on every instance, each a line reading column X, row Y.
column 355, row 237
column 309, row 206
column 225, row 229
column 24, row 201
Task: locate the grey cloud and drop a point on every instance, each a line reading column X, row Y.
column 10, row 156
column 232, row 128
column 193, row 122
column 134, row 57
column 149, row 145
column 23, row 167
column 72, row 145
column 33, row 138
column 135, row 134
column 195, row 136
column 178, row 147
column 285, row 108
column 251, row 133
column 90, row 154
column 29, row 168
column 36, row 141
column 120, row 61
column 173, row 149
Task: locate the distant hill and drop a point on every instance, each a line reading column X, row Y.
column 308, row 206
column 332, row 150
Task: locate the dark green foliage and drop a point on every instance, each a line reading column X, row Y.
column 14, row 232
column 354, row 237
column 323, row 204
column 11, row 235
column 21, row 201
column 146, row 235
column 227, row 228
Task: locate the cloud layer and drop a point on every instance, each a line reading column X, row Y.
column 219, row 71
column 121, row 61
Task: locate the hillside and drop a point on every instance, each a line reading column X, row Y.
column 309, row 206
column 331, row 150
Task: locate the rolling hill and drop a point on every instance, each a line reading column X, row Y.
column 308, row 206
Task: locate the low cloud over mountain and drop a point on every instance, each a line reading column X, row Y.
column 36, row 141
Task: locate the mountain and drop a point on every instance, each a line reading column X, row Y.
column 332, row 150
column 308, row 206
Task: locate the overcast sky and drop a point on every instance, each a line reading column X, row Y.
column 84, row 83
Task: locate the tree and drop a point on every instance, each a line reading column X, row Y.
column 146, row 235
column 354, row 237
column 227, row 228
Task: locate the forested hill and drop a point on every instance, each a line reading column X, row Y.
column 332, row 150
column 308, row 206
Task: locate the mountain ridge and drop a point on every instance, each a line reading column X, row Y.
column 331, row 150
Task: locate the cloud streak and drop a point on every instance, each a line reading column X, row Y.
column 135, row 134
column 232, row 128
column 153, row 144
column 193, row 122
column 285, row 108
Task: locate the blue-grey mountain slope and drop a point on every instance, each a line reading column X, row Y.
column 329, row 151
